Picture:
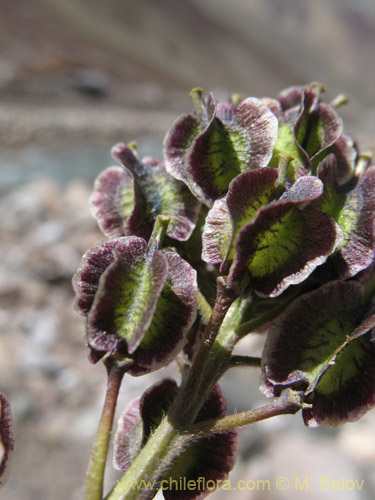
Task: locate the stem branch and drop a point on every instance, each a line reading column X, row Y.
column 238, row 361
column 289, row 403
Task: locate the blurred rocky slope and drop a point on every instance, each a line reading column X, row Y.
column 148, row 54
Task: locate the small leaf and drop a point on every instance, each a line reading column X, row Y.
column 180, row 137
column 128, row 436
column 287, row 146
column 292, row 107
column 120, row 212
column 247, row 194
column 112, row 200
column 285, row 241
column 6, row 438
column 333, row 198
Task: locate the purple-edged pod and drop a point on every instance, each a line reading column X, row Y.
column 307, row 128
column 352, row 371
column 138, row 303
column 126, row 201
column 354, row 212
column 323, row 344
column 290, row 97
column 346, row 155
column 207, row 154
column 174, row 315
column 128, row 437
column 117, row 287
column 318, row 126
column 185, row 129
column 6, row 438
column 204, row 464
column 200, row 465
column 247, row 193
column 284, row 241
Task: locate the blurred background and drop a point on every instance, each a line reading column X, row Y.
column 76, row 76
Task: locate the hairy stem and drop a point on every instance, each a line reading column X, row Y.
column 238, row 361
column 158, row 233
column 185, row 407
column 204, row 307
column 226, row 339
column 289, row 403
column 95, row 476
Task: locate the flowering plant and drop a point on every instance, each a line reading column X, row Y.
column 268, row 202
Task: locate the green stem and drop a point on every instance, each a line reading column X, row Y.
column 204, row 307
column 289, row 403
column 363, row 162
column 339, row 101
column 95, row 476
column 186, row 406
column 243, row 361
column 158, row 233
column 199, row 106
column 221, row 352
